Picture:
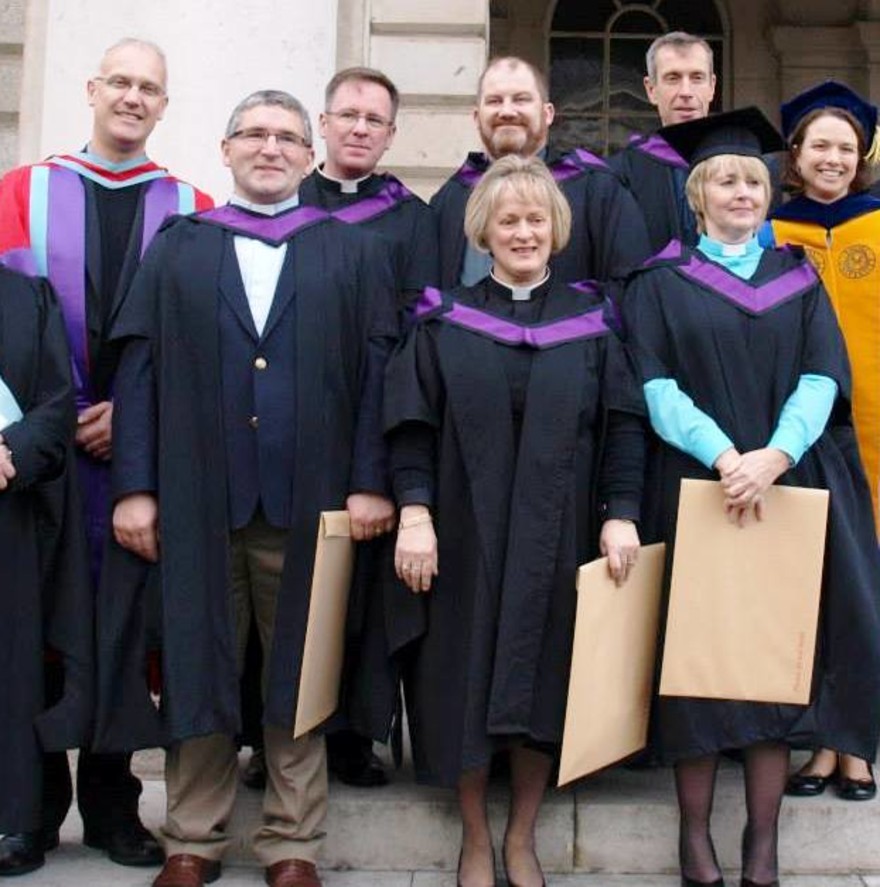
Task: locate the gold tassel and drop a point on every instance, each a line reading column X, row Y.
column 873, row 155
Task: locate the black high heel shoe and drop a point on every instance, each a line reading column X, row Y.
column 690, row 882
column 747, row 882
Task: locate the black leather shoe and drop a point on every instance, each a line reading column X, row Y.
column 857, row 789
column 363, row 770
column 745, row 882
column 125, row 842
column 254, row 775
column 808, row 785
column 690, row 882
column 21, row 853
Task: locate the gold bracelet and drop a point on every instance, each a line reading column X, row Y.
column 415, row 522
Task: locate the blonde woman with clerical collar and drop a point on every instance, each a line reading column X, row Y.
column 495, row 407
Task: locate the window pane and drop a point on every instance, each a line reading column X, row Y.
column 695, row 16
column 576, row 75
column 637, row 22
column 627, row 75
column 577, row 15
column 568, row 133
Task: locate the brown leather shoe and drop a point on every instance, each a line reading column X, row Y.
column 187, row 870
column 292, row 873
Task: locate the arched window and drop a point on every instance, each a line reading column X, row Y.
column 597, row 62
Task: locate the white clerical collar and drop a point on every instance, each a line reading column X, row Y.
column 718, row 248
column 346, row 186
column 266, row 209
column 521, row 293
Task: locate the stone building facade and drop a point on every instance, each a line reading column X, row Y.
column 433, row 49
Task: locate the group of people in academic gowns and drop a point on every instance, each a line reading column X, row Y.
column 526, row 435
column 487, row 437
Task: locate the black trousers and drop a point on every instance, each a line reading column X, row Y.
column 106, row 791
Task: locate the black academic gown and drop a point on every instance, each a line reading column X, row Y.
column 343, row 298
column 384, row 206
column 503, row 442
column 655, row 175
column 45, row 598
column 738, row 349
column 608, row 237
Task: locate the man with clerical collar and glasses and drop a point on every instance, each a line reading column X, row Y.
column 513, row 115
column 255, row 338
column 358, row 126
column 680, row 83
column 84, row 220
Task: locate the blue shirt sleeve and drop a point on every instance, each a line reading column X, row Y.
column 804, row 415
column 683, row 425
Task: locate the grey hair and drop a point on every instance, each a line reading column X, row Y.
column 273, row 98
column 677, row 40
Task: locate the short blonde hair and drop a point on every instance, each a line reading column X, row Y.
column 722, row 164
column 525, row 178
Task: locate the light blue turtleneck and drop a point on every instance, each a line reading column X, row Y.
column 679, row 422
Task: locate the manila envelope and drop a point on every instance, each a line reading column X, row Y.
column 325, row 631
column 612, row 665
column 744, row 601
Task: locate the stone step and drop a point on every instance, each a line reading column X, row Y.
column 618, row 822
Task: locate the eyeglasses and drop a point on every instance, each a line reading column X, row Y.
column 257, row 138
column 146, row 88
column 349, row 119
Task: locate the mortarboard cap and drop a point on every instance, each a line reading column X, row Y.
column 830, row 94
column 745, row 131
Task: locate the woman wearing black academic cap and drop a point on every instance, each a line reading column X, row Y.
column 830, row 131
column 746, row 380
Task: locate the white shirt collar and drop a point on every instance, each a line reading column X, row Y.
column 266, row 209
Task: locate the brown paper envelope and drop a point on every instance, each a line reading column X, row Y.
column 612, row 665
column 744, row 602
column 325, row 632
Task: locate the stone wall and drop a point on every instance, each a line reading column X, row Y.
column 434, row 52
column 12, row 37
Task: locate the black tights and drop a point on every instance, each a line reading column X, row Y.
column 766, row 769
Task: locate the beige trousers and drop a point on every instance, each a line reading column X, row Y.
column 202, row 774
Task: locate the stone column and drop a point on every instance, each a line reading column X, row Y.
column 434, row 51
column 808, row 55
column 12, row 37
column 869, row 34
